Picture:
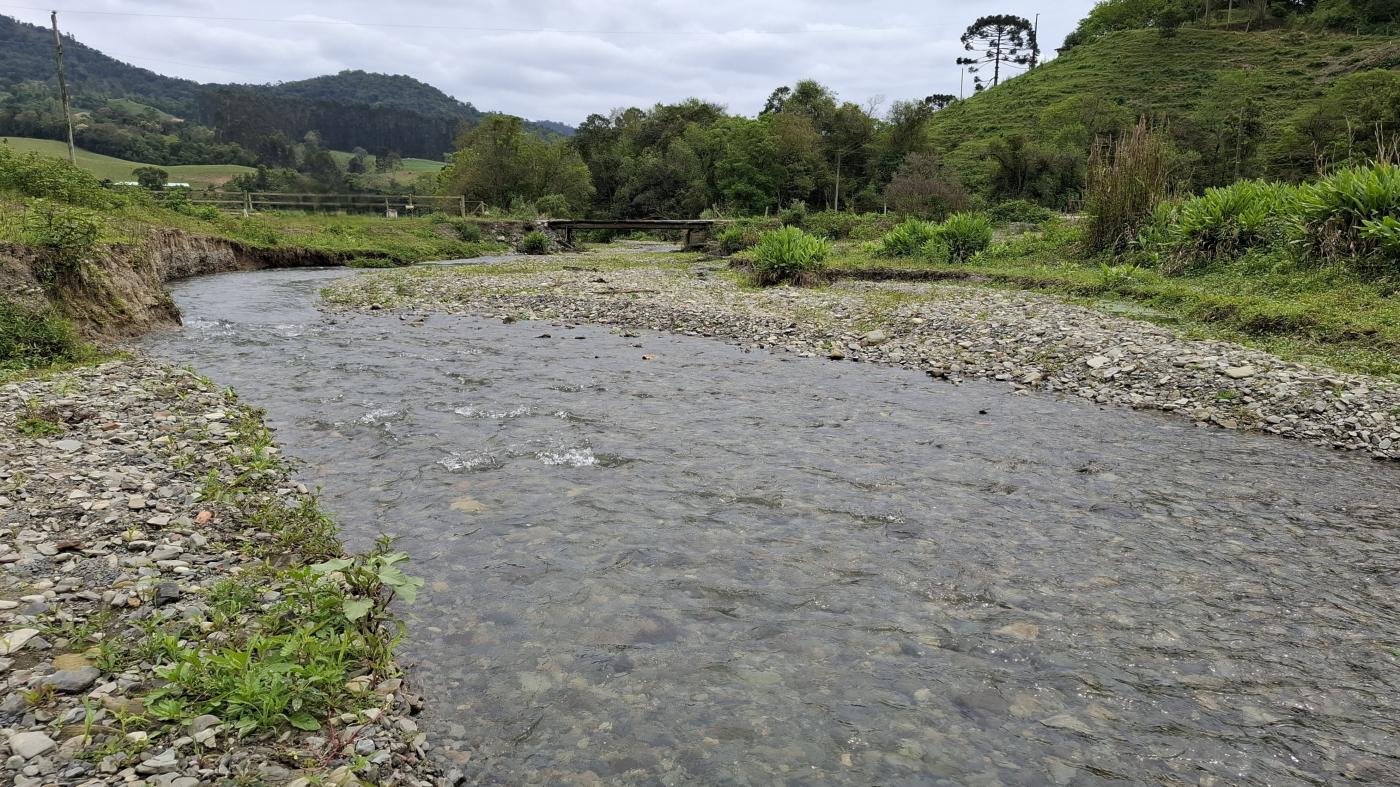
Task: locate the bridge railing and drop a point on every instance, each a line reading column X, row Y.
column 383, row 204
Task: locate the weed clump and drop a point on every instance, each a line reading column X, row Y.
column 37, row 338
column 789, row 256
column 534, row 242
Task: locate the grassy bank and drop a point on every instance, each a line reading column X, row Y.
column 1326, row 315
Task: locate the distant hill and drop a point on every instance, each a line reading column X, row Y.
column 379, row 112
column 1170, row 78
column 26, row 54
column 378, row 91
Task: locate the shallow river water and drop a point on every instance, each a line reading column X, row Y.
column 719, row 567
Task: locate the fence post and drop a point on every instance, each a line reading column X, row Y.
column 462, row 205
column 247, row 204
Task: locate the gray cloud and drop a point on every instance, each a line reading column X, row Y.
column 563, row 59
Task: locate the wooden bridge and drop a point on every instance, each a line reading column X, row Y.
column 696, row 230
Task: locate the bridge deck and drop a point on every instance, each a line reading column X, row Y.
column 632, row 224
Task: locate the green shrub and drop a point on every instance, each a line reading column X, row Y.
column 1338, row 216
column 908, row 238
column 1385, row 234
column 964, row 234
column 1222, row 223
column 789, row 256
column 735, row 239
column 30, row 338
column 467, row 231
column 534, row 242
column 66, row 236
column 794, row 215
column 839, row 225
column 47, row 177
column 1019, row 210
column 555, row 206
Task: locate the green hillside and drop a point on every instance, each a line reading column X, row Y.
column 110, row 168
column 1138, row 72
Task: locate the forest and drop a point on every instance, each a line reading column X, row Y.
column 1224, row 85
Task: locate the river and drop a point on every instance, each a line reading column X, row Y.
column 664, row 560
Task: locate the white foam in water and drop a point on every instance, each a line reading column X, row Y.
column 571, row 457
column 474, row 412
column 456, row 462
column 290, row 330
column 376, row 415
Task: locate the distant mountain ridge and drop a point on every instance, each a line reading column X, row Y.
column 353, row 108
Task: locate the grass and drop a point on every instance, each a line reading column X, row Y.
column 1148, row 74
column 1325, row 314
column 116, row 169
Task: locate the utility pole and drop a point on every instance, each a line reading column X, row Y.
column 63, row 85
column 1035, row 32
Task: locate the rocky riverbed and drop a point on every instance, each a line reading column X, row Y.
column 1030, row 341
column 109, row 539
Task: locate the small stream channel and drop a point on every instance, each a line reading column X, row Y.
column 719, row 567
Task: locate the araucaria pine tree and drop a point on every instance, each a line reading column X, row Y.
column 999, row 40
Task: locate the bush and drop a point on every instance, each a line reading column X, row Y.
column 46, row 177
column 964, row 234
column 30, row 338
column 1222, row 223
column 66, row 235
column 467, row 231
column 1344, row 214
column 1125, row 183
column 555, row 206
column 789, row 255
column 908, row 238
column 534, row 242
column 839, row 225
column 1019, row 210
column 794, row 215
column 1385, row 233
column 735, row 239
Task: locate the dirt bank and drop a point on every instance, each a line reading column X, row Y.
column 122, row 293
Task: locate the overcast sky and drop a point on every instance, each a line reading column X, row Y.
column 562, row 59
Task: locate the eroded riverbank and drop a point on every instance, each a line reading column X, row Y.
column 1030, row 341
column 656, row 558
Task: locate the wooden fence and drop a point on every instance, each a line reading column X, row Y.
column 247, row 202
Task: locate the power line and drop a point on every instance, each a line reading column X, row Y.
column 466, row 29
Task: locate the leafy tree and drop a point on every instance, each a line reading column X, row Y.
column 499, row 163
column 390, row 161
column 152, row 178
column 358, row 162
column 776, row 100
column 998, row 40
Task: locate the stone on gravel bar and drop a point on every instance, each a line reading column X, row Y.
column 31, row 744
